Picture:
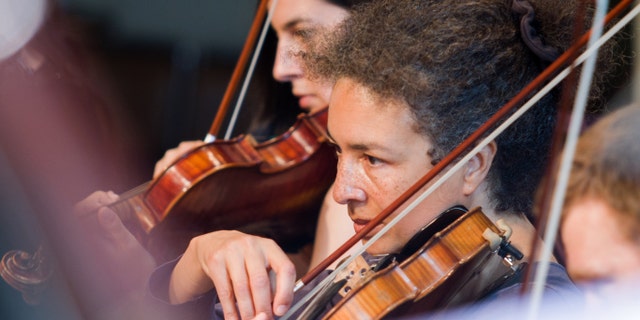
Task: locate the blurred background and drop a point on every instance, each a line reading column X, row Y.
column 97, row 94
column 92, row 93
column 168, row 62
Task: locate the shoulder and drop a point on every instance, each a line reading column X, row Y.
column 558, row 286
column 509, row 299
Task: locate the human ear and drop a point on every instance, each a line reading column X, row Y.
column 477, row 168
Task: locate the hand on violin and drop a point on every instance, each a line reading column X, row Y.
column 173, row 154
column 94, row 201
column 115, row 237
column 115, row 241
column 239, row 267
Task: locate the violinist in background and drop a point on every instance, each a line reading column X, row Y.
column 411, row 80
column 600, row 225
column 294, row 21
column 601, row 220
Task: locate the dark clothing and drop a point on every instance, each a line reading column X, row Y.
column 509, row 300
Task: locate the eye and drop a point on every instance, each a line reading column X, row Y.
column 303, row 33
column 337, row 149
column 373, row 160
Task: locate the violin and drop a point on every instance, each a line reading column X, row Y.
column 274, row 188
column 405, row 282
column 29, row 273
column 464, row 257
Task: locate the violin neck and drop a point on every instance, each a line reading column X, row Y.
column 134, row 213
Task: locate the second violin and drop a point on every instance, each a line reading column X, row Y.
column 274, row 189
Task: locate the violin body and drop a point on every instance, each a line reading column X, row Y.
column 273, row 189
column 457, row 265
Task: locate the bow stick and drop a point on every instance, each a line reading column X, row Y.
column 458, row 151
column 237, row 72
column 568, row 152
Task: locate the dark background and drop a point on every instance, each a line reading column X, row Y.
column 169, row 62
column 152, row 74
column 139, row 77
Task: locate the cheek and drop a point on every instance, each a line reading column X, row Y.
column 573, row 238
column 588, row 254
column 322, row 90
column 388, row 184
column 573, row 250
column 388, row 191
column 394, row 188
column 394, row 180
column 385, row 188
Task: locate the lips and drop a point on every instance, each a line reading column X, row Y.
column 359, row 224
column 305, row 97
column 307, row 101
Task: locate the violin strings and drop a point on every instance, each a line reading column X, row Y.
column 123, row 197
column 528, row 105
column 135, row 191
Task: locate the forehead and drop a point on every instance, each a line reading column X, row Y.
column 358, row 115
column 349, row 92
column 318, row 12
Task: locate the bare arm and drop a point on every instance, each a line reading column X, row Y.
column 334, row 228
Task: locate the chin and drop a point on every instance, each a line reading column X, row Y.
column 312, row 109
column 378, row 250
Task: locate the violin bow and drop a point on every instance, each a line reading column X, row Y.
column 239, row 69
column 552, row 210
column 457, row 152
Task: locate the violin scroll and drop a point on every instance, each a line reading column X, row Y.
column 28, row 273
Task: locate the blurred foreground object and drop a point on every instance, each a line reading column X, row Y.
column 61, row 133
column 19, row 21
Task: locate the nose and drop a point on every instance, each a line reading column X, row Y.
column 347, row 186
column 286, row 66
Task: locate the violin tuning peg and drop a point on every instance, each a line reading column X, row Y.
column 505, row 228
column 493, row 238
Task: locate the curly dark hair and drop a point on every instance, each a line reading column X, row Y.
column 347, row 3
column 455, row 63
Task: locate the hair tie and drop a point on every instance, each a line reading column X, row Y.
column 530, row 35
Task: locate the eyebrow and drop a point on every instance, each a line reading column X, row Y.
column 358, row 146
column 289, row 25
